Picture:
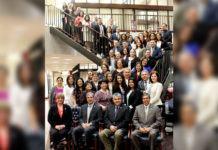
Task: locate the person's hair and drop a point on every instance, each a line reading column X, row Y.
column 90, row 71
column 157, row 74
column 126, row 50
column 164, row 24
column 146, row 94
column 142, row 61
column 155, row 37
column 116, row 84
column 60, row 78
column 108, row 75
column 127, row 69
column 105, row 66
column 68, row 77
column 109, row 28
column 59, row 95
column 122, row 61
column 86, row 83
column 134, row 81
column 88, row 18
column 19, row 69
column 146, row 71
column 103, row 81
column 121, row 38
column 90, row 93
column 138, row 63
column 160, row 36
column 77, row 87
column 117, row 95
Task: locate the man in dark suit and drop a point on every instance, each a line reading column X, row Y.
column 89, row 117
column 116, row 123
column 166, row 34
column 146, row 119
column 112, row 26
column 116, row 36
column 93, row 24
column 117, row 47
column 143, row 84
column 100, row 37
column 111, row 59
column 155, row 51
column 151, row 60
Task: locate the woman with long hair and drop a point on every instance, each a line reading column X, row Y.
column 77, row 92
column 68, row 90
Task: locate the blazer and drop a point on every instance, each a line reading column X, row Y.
column 97, row 28
column 114, row 37
column 155, row 91
column 113, row 28
column 121, row 120
column 54, row 118
column 164, row 45
column 134, row 75
column 167, row 36
column 141, row 85
column 153, row 117
column 17, row 139
column 95, row 115
column 119, row 49
column 134, row 98
column 157, row 54
column 133, row 62
column 151, row 62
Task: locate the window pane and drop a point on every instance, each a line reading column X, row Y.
column 84, row 10
column 151, row 2
column 105, row 14
column 140, row 2
column 105, row 1
column 140, row 12
column 128, row 11
column 170, row 2
column 80, row 1
column 162, row 2
column 117, row 2
column 93, row 11
column 92, row 1
column 162, row 17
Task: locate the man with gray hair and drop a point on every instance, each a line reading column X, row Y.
column 127, row 74
column 146, row 120
column 144, row 83
column 89, row 118
column 116, row 122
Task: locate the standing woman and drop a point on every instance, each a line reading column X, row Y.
column 131, row 60
column 56, row 89
column 137, row 72
column 131, row 42
column 68, row 90
column 142, row 40
column 60, row 119
column 125, row 54
column 105, row 69
column 87, row 32
column 119, row 66
column 155, row 88
column 146, row 37
column 133, row 96
column 78, row 27
column 122, row 39
column 77, row 92
column 162, row 44
column 109, row 78
column 95, row 80
column 103, row 96
column 144, row 64
column 120, row 86
column 88, row 88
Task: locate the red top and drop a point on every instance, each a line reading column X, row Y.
column 60, row 111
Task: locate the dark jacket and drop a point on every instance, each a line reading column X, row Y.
column 17, row 139
column 151, row 62
column 134, row 98
column 121, row 120
column 114, row 37
column 157, row 54
column 134, row 75
column 167, row 36
column 133, row 62
column 97, row 28
column 54, row 118
column 95, row 115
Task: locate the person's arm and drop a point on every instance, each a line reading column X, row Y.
column 81, row 116
column 99, row 117
column 157, row 123
column 135, row 119
column 74, row 98
column 50, row 117
column 107, row 121
column 68, row 124
column 157, row 94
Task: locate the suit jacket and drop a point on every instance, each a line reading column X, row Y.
column 157, row 54
column 113, row 28
column 121, row 120
column 17, row 139
column 134, row 98
column 54, row 118
column 141, row 85
column 97, row 28
column 114, row 37
column 151, row 62
column 134, row 75
column 95, row 115
column 133, row 62
column 155, row 93
column 167, row 36
column 119, row 49
column 153, row 117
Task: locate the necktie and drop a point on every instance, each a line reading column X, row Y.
column 116, row 108
column 88, row 113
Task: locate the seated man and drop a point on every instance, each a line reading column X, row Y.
column 146, row 120
column 116, row 123
column 90, row 116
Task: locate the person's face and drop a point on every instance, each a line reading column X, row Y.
column 118, row 30
column 89, row 87
column 25, row 73
column 152, row 37
column 80, row 83
column 188, row 116
column 70, row 80
column 118, row 55
column 144, row 62
column 158, row 36
column 130, row 38
column 132, row 54
column 108, row 30
column 146, row 100
column 125, row 51
column 164, row 27
column 87, row 18
column 116, row 44
column 117, row 100
column 103, row 85
column 96, row 18
column 109, row 77
column 127, row 73
column 119, row 64
column 139, row 44
column 138, row 67
column 95, row 78
column 90, row 75
column 152, row 43
column 60, row 100
column 104, row 69
column 81, row 14
column 136, row 39
column 141, row 36
column 125, row 44
column 111, row 53
column 59, row 82
column 119, row 79
column 131, row 84
column 5, row 117
column 90, row 99
column 147, row 54
column 111, row 21
column 144, row 76
column 99, row 21
column 154, row 78
column 123, row 36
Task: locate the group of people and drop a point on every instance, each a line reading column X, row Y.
column 101, row 39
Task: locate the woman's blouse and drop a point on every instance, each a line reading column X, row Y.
column 77, row 94
column 103, row 98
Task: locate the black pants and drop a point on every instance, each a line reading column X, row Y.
column 101, row 46
column 78, row 131
column 57, row 135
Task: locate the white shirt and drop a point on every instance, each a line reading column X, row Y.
column 101, row 30
column 68, row 91
column 159, row 44
column 152, row 50
column 146, row 111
